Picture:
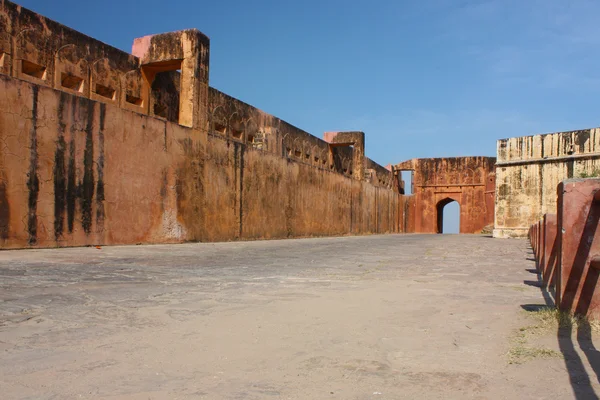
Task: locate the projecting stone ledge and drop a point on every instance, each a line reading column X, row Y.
column 355, row 139
column 512, row 233
column 187, row 51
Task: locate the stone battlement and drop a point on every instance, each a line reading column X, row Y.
column 166, row 77
column 98, row 146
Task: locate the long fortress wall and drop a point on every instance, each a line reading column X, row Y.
column 98, row 146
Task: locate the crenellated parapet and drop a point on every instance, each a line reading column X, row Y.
column 98, row 147
column 186, row 55
column 44, row 52
column 234, row 120
column 166, row 77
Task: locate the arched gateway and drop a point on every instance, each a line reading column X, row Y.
column 470, row 181
column 441, row 206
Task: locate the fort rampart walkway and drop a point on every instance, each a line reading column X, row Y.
column 373, row 317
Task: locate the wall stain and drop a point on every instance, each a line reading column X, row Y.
column 71, row 172
column 581, row 138
column 4, row 211
column 567, row 143
column 165, row 138
column 189, row 188
column 33, row 182
column 241, row 166
column 163, row 190
column 351, row 206
column 100, row 211
column 87, row 190
column 570, row 166
column 59, row 173
column 237, row 204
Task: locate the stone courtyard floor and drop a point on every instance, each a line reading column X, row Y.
column 372, row 317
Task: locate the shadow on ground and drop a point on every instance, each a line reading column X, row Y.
column 581, row 381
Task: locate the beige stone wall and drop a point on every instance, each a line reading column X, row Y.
column 529, row 169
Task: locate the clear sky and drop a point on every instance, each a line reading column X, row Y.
column 428, row 78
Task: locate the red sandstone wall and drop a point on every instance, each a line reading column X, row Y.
column 409, row 214
column 468, row 180
column 103, row 160
column 234, row 120
column 566, row 247
column 78, row 172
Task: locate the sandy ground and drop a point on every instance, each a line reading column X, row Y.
column 373, row 317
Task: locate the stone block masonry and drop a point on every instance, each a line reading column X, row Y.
column 529, row 169
column 101, row 147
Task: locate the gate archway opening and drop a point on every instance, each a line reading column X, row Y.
column 448, row 216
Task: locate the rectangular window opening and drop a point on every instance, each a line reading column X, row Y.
column 136, row 101
column 105, row 91
column 307, row 156
column 33, row 69
column 289, row 151
column 316, row 159
column 236, row 134
column 298, row 153
column 220, row 128
column 250, row 138
column 71, row 82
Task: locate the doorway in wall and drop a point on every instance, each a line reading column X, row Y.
column 448, row 216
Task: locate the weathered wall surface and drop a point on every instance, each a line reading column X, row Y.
column 113, row 152
column 239, row 122
column 438, row 181
column 529, row 170
column 78, row 172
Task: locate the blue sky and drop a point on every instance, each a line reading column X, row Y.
column 428, row 78
column 424, row 78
